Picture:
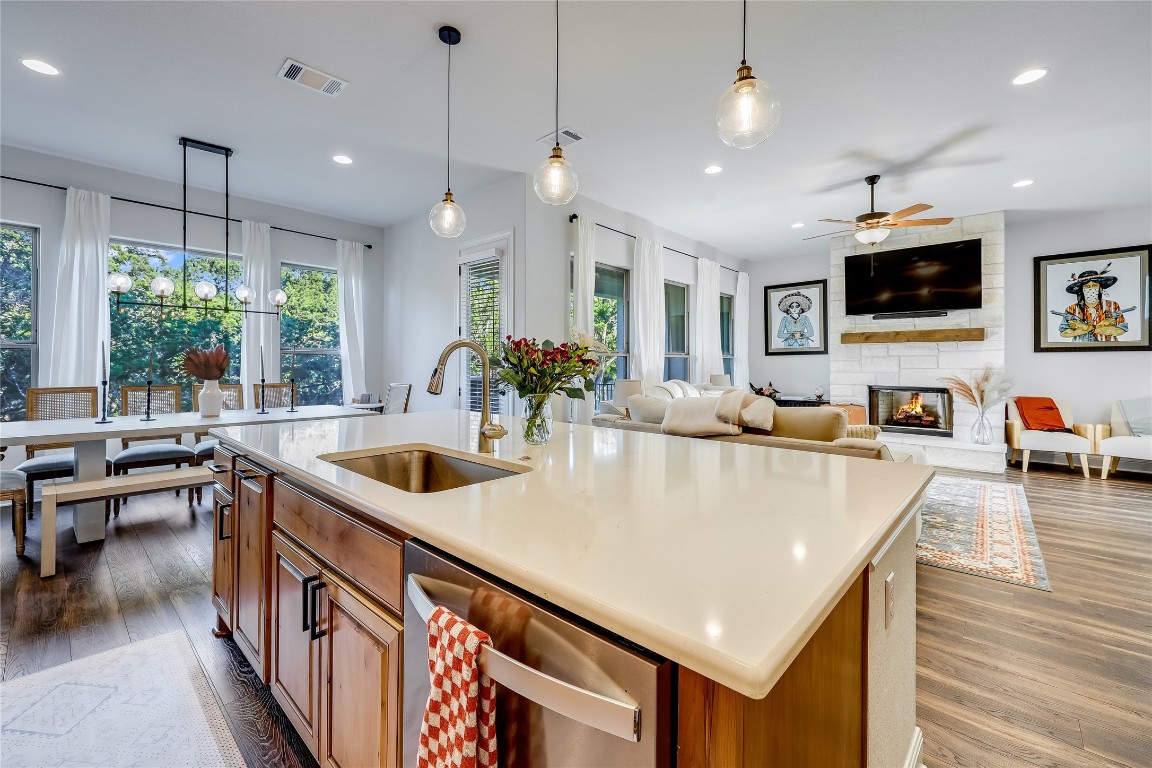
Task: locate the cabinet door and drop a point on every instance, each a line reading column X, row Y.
column 360, row 702
column 251, row 531
column 223, row 561
column 294, row 663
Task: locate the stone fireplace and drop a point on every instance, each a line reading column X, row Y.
column 913, row 410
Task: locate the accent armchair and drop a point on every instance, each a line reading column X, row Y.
column 1115, row 441
column 1078, row 442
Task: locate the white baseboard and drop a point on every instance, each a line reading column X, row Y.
column 914, row 750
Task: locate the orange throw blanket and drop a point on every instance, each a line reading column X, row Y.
column 1040, row 413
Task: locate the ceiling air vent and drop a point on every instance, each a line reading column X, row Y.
column 305, row 75
column 567, row 137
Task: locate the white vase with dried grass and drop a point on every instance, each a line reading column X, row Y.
column 209, row 365
column 987, row 388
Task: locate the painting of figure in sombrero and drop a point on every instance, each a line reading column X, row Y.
column 1093, row 301
column 796, row 318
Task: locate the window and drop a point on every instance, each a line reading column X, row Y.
column 136, row 329
column 18, row 263
column 610, row 326
column 481, row 320
column 675, row 331
column 310, row 335
column 726, row 332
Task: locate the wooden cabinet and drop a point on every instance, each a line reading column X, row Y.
column 223, row 562
column 251, row 531
column 294, row 669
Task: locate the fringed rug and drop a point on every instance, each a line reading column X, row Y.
column 143, row 704
column 982, row 528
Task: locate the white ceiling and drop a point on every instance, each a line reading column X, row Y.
column 916, row 91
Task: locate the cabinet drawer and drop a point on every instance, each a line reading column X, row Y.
column 221, row 467
column 366, row 556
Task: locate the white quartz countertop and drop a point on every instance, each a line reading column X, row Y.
column 721, row 556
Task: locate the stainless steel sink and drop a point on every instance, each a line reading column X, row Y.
column 422, row 469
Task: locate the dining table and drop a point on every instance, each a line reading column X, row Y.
column 90, row 436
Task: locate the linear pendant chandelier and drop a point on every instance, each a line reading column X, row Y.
column 555, row 180
column 446, row 217
column 748, row 111
column 119, row 283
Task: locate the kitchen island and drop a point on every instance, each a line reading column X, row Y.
column 729, row 560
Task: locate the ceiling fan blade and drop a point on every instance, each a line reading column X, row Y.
column 910, row 210
column 826, row 234
column 919, row 223
column 837, row 221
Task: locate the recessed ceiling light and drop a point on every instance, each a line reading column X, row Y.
column 342, row 159
column 42, row 67
column 1030, row 76
column 1024, row 183
column 797, row 225
column 713, row 169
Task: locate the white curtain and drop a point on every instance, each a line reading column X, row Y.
column 258, row 331
column 350, row 279
column 583, row 290
column 81, row 315
column 706, row 357
column 741, row 371
column 648, row 295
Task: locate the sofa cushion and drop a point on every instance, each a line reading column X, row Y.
column 695, row 417
column 822, row 424
column 1127, row 447
column 1060, row 442
column 647, row 409
column 864, row 445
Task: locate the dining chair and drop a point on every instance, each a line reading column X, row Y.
column 275, row 395
column 12, row 490
column 54, row 403
column 205, row 447
column 134, row 402
column 396, row 401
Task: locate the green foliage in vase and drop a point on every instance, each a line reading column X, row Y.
column 547, row 368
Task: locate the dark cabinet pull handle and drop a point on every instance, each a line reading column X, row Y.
column 313, row 606
column 305, row 605
column 224, row 509
column 215, row 468
column 245, row 474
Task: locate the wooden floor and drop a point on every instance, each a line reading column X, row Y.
column 1007, row 675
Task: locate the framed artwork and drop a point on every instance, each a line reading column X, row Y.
column 1094, row 301
column 796, row 318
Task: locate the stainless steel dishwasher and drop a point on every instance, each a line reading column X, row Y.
column 566, row 695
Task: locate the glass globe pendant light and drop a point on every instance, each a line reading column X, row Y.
column 244, row 294
column 119, row 283
column 446, row 217
column 555, row 180
column 749, row 110
column 277, row 297
column 205, row 291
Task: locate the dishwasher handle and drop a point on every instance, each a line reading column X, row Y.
column 618, row 718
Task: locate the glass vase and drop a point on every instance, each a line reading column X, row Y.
column 982, row 430
column 536, row 421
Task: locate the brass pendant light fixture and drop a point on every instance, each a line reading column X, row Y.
column 555, row 180
column 748, row 111
column 446, row 217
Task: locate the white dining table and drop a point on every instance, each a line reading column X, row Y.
column 90, row 440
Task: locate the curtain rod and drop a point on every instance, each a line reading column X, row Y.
column 574, row 216
column 177, row 210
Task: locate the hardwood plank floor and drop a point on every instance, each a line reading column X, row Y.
column 1007, row 676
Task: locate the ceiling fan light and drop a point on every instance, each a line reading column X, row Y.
column 873, row 236
column 748, row 112
column 447, row 218
column 555, row 181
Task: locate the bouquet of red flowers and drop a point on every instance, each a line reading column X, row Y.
column 547, row 368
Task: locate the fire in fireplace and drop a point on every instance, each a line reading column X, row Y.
column 916, row 410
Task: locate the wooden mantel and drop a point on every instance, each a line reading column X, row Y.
column 899, row 337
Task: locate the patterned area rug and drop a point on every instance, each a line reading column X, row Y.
column 983, row 528
column 143, row 704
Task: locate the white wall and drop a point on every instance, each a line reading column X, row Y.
column 791, row 374
column 1090, row 381
column 43, row 208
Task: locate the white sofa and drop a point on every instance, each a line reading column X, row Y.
column 1078, row 442
column 1115, row 441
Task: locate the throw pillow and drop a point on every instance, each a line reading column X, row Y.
column 648, row 410
column 695, row 417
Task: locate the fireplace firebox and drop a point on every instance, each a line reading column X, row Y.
column 915, row 410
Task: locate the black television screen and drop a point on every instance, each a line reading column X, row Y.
column 928, row 278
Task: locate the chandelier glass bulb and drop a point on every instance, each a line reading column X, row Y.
column 205, row 291
column 162, row 287
column 118, row 282
column 872, row 236
column 277, row 297
column 447, row 218
column 244, row 294
column 749, row 111
column 555, row 181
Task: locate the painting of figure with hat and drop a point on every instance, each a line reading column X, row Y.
column 796, row 318
column 795, row 330
column 1097, row 300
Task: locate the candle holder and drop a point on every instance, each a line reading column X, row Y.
column 263, row 408
column 104, row 403
column 148, row 403
column 292, row 403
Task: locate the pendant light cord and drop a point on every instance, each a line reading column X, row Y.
column 449, row 118
column 744, row 51
column 557, row 101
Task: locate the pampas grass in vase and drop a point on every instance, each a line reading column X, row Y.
column 209, row 365
column 987, row 388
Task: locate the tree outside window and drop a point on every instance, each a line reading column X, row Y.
column 310, row 335
column 18, row 260
column 610, row 326
column 726, row 332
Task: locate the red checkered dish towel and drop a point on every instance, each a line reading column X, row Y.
column 459, row 728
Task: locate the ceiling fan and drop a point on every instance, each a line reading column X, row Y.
column 871, row 228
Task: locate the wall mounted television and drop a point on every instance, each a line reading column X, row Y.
column 928, row 278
